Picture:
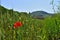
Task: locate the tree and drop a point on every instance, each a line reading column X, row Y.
column 58, row 7
column 53, row 6
column 52, row 3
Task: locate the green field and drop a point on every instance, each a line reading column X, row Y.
column 31, row 29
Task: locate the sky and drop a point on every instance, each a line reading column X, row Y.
column 28, row 5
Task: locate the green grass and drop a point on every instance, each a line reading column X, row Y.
column 32, row 29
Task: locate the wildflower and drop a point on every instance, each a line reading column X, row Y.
column 17, row 24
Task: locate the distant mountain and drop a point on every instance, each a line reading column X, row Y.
column 40, row 14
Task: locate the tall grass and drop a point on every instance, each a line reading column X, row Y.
column 32, row 29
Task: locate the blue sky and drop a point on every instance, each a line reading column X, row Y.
column 29, row 5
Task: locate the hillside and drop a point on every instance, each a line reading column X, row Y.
column 40, row 14
column 4, row 10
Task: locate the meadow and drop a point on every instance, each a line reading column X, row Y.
column 31, row 29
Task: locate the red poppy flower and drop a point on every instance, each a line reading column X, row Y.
column 17, row 24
